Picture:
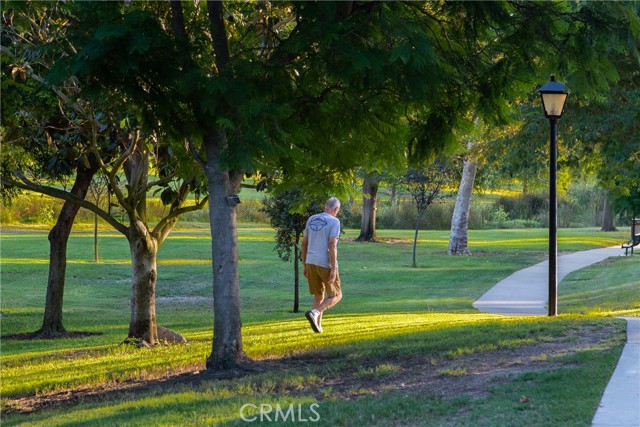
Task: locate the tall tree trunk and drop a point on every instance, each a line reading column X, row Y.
column 227, row 337
column 96, row 257
column 144, row 249
column 458, row 239
column 369, row 207
column 394, row 195
column 607, row 215
column 414, row 264
column 52, row 325
column 296, row 270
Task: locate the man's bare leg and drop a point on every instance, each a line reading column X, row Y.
column 327, row 303
column 317, row 302
column 320, row 305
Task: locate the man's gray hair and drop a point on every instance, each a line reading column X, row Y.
column 332, row 203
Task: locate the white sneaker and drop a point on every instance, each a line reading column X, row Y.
column 313, row 320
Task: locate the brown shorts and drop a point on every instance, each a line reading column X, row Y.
column 318, row 278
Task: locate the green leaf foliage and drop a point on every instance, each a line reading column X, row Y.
column 288, row 216
column 315, row 89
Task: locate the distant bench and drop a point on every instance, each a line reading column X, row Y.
column 631, row 244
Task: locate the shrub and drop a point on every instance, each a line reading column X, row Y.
column 351, row 215
column 403, row 216
column 479, row 214
column 31, row 209
column 249, row 211
column 498, row 217
column 528, row 206
column 581, row 206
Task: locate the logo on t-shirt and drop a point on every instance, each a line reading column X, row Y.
column 317, row 223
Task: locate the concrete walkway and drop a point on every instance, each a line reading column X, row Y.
column 525, row 292
column 620, row 404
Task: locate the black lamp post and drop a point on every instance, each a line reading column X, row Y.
column 554, row 95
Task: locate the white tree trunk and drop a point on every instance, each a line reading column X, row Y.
column 458, row 240
column 144, row 249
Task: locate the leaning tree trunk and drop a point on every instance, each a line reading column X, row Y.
column 607, row 215
column 227, row 349
column 52, row 325
column 458, row 240
column 144, row 249
column 414, row 263
column 369, row 206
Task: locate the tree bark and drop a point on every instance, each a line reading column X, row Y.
column 223, row 183
column 394, row 195
column 369, row 207
column 96, row 257
column 414, row 263
column 52, row 324
column 144, row 249
column 296, row 270
column 227, row 337
column 458, row 239
column 607, row 215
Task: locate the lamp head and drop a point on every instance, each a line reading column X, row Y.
column 554, row 96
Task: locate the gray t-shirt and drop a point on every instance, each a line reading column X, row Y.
column 320, row 228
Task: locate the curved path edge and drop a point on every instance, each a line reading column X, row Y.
column 620, row 403
column 525, row 293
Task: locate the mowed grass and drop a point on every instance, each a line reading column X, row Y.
column 610, row 288
column 390, row 312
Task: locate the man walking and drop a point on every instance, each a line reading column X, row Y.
column 320, row 258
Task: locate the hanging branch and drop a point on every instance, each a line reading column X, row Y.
column 24, row 183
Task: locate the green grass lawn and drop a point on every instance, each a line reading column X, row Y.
column 404, row 347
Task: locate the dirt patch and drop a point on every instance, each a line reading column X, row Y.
column 474, row 253
column 469, row 375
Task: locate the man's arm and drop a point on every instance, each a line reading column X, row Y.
column 333, row 258
column 305, row 246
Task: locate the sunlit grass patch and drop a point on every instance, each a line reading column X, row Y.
column 454, row 372
column 377, row 371
column 391, row 318
column 291, row 337
column 611, row 288
column 404, row 334
column 55, row 371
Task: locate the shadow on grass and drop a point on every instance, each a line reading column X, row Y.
column 27, row 336
column 457, row 358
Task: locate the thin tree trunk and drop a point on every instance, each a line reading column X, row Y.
column 227, row 349
column 52, row 324
column 96, row 257
column 415, row 241
column 369, row 207
column 144, row 251
column 607, row 215
column 296, row 269
column 394, row 195
column 458, row 239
